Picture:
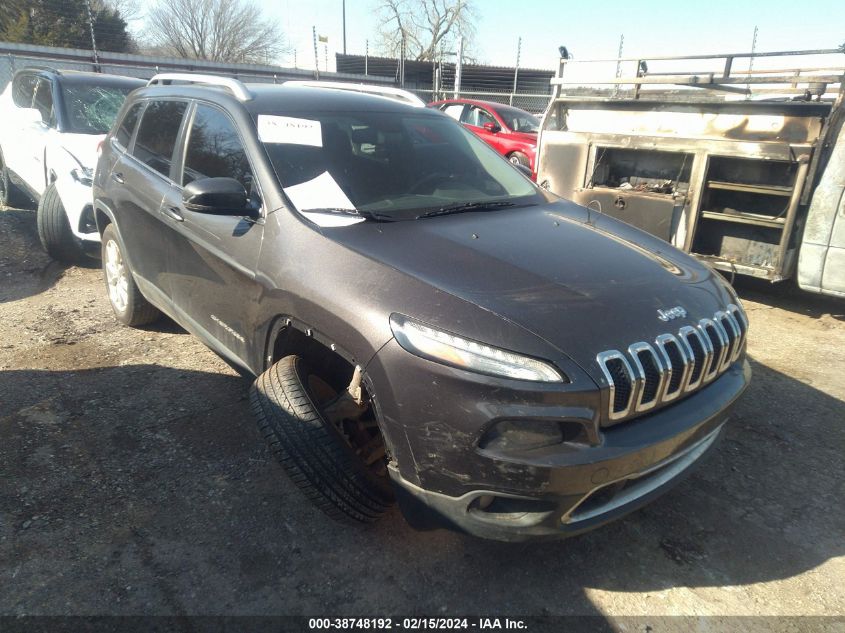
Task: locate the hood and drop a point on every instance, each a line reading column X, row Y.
column 82, row 147
column 578, row 279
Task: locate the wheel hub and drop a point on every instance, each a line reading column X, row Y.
column 355, row 423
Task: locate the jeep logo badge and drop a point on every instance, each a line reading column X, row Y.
column 672, row 313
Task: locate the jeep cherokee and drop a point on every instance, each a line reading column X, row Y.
column 424, row 322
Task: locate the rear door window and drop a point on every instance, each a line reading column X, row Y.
column 157, row 134
column 215, row 149
column 454, row 110
column 123, row 136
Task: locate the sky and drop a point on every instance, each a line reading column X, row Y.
column 587, row 29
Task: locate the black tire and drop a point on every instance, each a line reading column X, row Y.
column 135, row 310
column 518, row 158
column 54, row 229
column 313, row 452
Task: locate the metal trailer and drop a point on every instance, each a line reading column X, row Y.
column 744, row 169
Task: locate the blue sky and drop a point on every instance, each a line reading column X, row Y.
column 588, row 29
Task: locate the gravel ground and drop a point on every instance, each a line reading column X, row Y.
column 133, row 480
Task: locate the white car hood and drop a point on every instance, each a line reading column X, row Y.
column 82, row 147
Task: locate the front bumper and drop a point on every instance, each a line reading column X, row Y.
column 444, row 479
column 78, row 203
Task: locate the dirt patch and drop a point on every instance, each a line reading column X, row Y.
column 133, row 480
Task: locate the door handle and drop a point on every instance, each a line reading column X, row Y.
column 117, row 177
column 173, row 213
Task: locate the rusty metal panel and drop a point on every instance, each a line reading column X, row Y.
column 655, row 213
column 706, row 125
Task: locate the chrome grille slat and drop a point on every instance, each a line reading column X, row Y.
column 603, row 360
column 640, row 403
column 699, row 364
column 711, row 365
column 742, row 322
column 649, row 375
column 707, row 326
column 731, row 329
column 678, row 370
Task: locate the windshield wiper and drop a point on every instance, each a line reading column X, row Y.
column 467, row 206
column 378, row 217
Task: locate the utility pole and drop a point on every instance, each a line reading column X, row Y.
column 366, row 56
column 316, row 55
column 402, row 63
column 619, row 64
column 93, row 39
column 751, row 59
column 516, row 68
column 458, row 65
column 344, row 27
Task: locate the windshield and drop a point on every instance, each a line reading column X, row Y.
column 519, row 120
column 93, row 109
column 388, row 166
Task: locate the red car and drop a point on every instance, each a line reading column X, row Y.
column 510, row 131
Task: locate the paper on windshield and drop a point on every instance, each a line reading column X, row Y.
column 322, row 192
column 286, row 129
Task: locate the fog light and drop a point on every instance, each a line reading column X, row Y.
column 524, row 435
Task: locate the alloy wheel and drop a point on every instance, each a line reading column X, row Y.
column 118, row 282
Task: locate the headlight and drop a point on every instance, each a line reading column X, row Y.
column 83, row 175
column 455, row 351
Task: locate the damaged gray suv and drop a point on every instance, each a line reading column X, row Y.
column 425, row 324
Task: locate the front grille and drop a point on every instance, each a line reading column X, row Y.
column 677, row 364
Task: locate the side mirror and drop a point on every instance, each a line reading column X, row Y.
column 220, row 196
column 492, row 127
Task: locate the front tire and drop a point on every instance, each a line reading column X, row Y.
column 54, row 229
column 317, row 456
column 129, row 305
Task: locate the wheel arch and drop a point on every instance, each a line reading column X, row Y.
column 103, row 216
column 288, row 335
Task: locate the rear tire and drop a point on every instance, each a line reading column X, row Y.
column 54, row 229
column 518, row 158
column 313, row 451
column 129, row 305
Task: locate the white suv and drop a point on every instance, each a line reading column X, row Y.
column 52, row 123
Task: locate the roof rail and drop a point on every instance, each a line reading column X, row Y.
column 50, row 69
column 236, row 87
column 783, row 78
column 388, row 92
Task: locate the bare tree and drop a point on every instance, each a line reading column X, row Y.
column 220, row 30
column 129, row 10
column 426, row 26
